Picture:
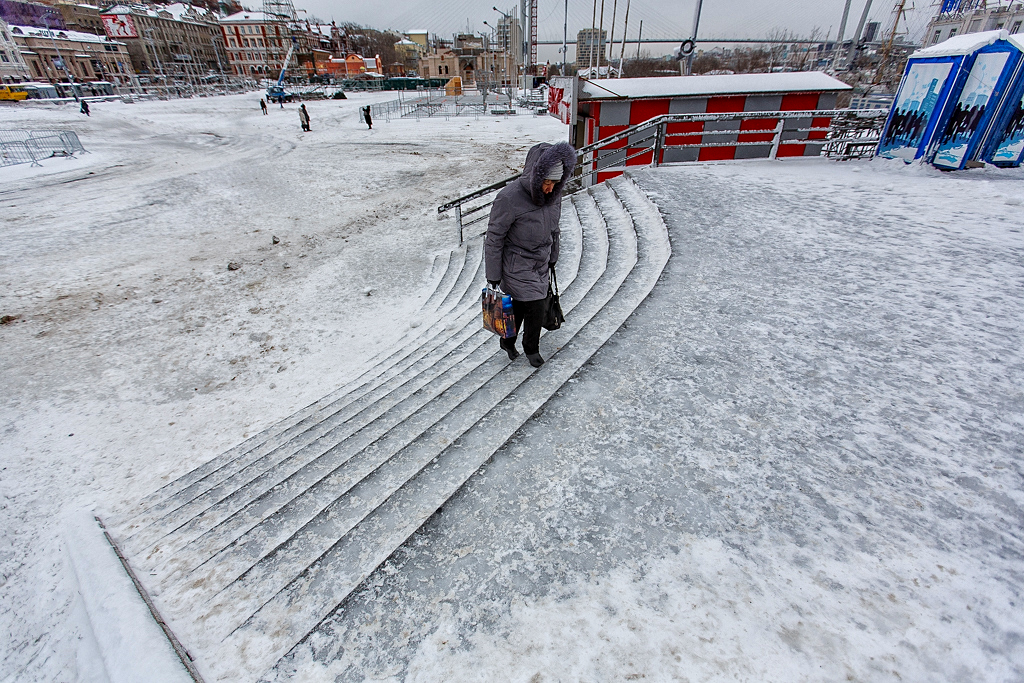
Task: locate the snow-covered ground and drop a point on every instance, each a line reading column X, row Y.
column 136, row 354
column 799, row 460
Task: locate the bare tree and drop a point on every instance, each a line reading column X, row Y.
column 801, row 62
column 777, row 46
column 705, row 62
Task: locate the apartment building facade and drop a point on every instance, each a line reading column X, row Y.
column 56, row 56
column 176, row 42
column 972, row 16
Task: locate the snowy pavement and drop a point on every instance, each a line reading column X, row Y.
column 800, row 460
column 137, row 355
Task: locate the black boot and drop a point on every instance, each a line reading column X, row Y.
column 509, row 347
column 535, row 359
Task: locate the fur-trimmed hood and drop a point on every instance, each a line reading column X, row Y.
column 539, row 160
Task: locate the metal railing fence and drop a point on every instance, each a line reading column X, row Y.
column 429, row 104
column 29, row 146
column 683, row 138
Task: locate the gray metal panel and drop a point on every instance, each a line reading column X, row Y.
column 753, row 151
column 674, row 155
column 793, row 124
column 637, row 138
column 812, row 150
column 763, row 103
column 610, row 157
column 827, row 100
column 614, row 114
column 688, row 105
column 721, row 125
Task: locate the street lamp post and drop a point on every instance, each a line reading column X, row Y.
column 513, row 90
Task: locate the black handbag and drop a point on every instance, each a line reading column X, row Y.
column 553, row 316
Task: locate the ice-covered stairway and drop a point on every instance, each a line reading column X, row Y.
column 248, row 553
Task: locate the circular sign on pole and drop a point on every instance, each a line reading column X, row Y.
column 686, row 47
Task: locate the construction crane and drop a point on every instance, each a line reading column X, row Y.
column 276, row 92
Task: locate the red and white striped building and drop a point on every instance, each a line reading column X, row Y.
column 608, row 106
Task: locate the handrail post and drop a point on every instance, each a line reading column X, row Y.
column 659, row 142
column 458, row 221
column 777, row 139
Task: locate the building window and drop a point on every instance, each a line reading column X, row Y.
column 938, row 34
column 952, row 32
column 1016, row 27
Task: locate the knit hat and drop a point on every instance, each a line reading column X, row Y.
column 555, row 173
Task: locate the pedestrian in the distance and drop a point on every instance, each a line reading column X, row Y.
column 304, row 117
column 263, row 106
column 85, row 108
column 521, row 246
column 367, row 117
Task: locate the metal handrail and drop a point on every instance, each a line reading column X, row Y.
column 656, row 129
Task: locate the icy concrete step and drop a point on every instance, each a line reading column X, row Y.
column 182, row 490
column 143, row 529
column 453, row 264
column 438, row 469
column 296, row 465
column 194, row 504
column 318, row 481
column 263, row 581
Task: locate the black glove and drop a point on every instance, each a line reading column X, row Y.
column 493, row 283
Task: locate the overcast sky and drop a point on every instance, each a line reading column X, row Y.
column 670, row 19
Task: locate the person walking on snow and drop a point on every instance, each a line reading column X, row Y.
column 367, row 117
column 304, row 118
column 522, row 241
column 85, row 108
column 263, row 106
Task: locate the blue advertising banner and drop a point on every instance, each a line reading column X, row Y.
column 913, row 109
column 1012, row 145
column 970, row 109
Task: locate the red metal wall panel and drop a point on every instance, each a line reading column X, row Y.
column 800, row 101
column 640, row 159
column 791, row 151
column 642, row 110
column 607, row 131
column 820, row 122
column 724, row 105
column 758, row 124
column 716, row 153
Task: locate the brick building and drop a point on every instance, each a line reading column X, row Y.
column 50, row 55
column 178, row 41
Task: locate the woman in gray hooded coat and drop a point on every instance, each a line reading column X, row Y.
column 522, row 240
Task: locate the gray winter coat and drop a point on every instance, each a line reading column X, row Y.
column 522, row 233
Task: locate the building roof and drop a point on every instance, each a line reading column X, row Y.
column 179, row 11
column 969, row 43
column 728, row 84
column 77, row 36
column 246, row 16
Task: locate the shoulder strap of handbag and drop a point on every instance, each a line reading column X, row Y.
column 554, row 279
